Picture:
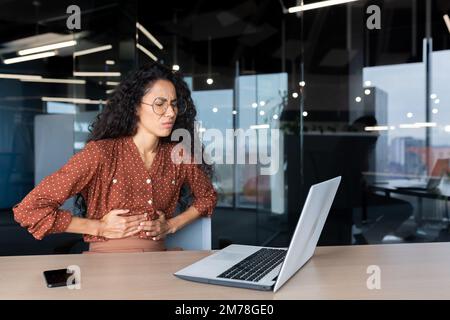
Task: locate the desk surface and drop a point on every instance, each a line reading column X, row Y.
column 419, row 271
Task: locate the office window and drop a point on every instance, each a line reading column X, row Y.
column 370, row 105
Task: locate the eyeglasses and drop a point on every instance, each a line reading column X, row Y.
column 160, row 106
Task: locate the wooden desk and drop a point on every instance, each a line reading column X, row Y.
column 419, row 271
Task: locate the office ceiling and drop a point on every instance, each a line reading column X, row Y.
column 244, row 31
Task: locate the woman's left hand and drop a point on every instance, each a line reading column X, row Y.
column 158, row 228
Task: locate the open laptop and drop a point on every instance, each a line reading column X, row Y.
column 433, row 180
column 268, row 268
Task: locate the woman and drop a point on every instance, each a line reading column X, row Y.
column 125, row 176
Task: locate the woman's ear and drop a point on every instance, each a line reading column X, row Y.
column 138, row 110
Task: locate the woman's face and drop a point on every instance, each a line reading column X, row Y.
column 152, row 117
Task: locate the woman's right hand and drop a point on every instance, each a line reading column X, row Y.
column 115, row 226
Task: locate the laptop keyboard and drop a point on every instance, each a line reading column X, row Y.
column 255, row 266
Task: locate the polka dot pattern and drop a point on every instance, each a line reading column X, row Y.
column 110, row 174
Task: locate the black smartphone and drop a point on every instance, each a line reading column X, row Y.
column 58, row 278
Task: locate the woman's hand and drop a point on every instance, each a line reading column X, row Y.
column 115, row 226
column 157, row 228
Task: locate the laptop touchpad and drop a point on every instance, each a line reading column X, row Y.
column 229, row 256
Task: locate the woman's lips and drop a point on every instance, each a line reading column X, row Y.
column 167, row 125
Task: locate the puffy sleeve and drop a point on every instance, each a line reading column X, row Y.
column 39, row 211
column 205, row 196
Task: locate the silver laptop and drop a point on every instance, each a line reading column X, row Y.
column 430, row 185
column 433, row 180
column 268, row 268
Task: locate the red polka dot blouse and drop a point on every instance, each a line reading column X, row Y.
column 110, row 174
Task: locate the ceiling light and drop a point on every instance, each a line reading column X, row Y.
column 367, row 92
column 148, row 53
column 376, row 128
column 209, row 81
column 30, row 57
column 18, row 76
column 426, row 124
column 95, row 74
column 72, row 100
column 317, row 5
column 149, row 35
column 92, row 50
column 260, row 126
column 358, row 99
column 51, row 80
column 417, row 125
column 47, row 47
column 447, row 22
column 408, row 126
column 295, row 95
column 110, row 62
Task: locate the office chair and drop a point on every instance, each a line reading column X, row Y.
column 194, row 236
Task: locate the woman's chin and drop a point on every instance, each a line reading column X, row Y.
column 165, row 133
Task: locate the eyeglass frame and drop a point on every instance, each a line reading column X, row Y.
column 166, row 104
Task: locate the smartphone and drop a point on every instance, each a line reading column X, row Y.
column 58, row 278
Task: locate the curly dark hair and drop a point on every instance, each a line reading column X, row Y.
column 119, row 117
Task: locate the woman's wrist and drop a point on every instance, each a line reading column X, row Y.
column 96, row 227
column 172, row 225
column 93, row 227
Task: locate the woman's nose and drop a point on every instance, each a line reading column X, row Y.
column 170, row 112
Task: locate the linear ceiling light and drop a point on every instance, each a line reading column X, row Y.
column 317, row 5
column 92, row 50
column 418, row 125
column 260, row 126
column 447, row 21
column 30, row 57
column 18, row 76
column 72, row 100
column 51, row 80
column 47, row 47
column 426, row 124
column 149, row 35
column 376, row 128
column 112, row 83
column 95, row 74
column 148, row 53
